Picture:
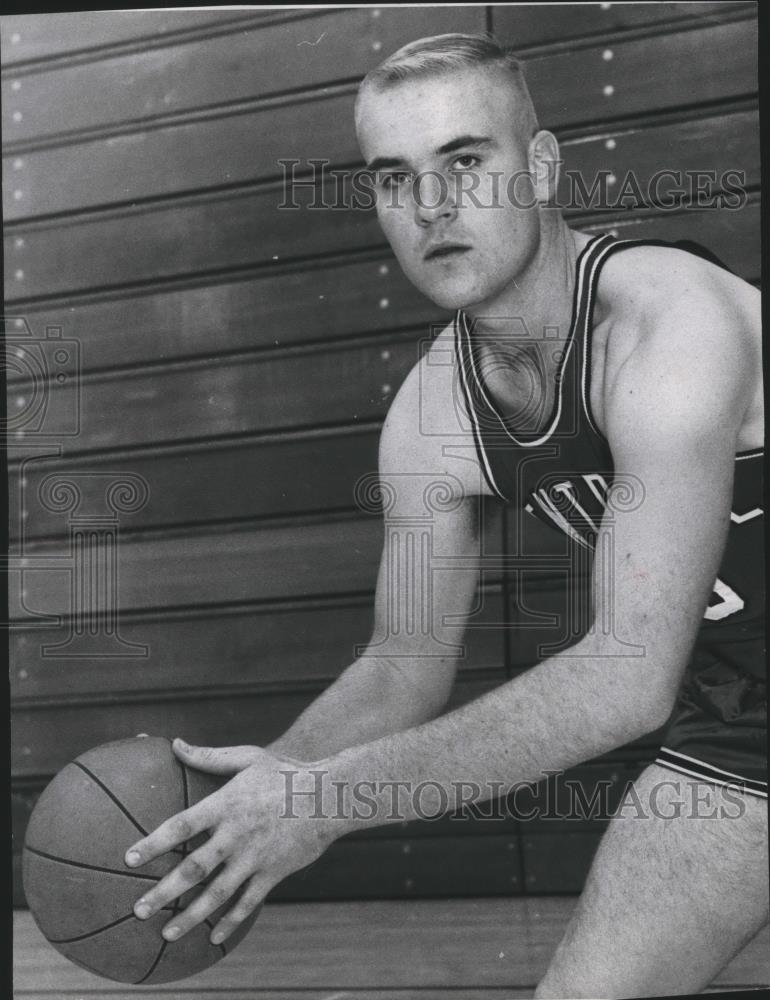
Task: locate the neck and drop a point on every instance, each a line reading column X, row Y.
column 540, row 296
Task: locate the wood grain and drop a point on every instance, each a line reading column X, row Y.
column 241, row 650
column 447, row 945
column 29, row 37
column 47, row 738
column 103, row 251
column 526, row 25
column 240, row 65
column 338, row 383
column 254, row 310
column 679, row 68
column 281, row 476
column 280, row 140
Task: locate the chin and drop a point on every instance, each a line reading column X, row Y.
column 451, row 295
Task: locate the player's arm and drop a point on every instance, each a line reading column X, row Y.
column 673, row 410
column 672, row 414
column 405, row 674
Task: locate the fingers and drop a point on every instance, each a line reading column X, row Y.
column 211, row 899
column 216, row 760
column 168, row 835
column 254, row 893
column 195, row 869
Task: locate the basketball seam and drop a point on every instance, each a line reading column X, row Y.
column 96, row 868
column 154, row 965
column 107, row 791
column 112, row 795
column 90, row 934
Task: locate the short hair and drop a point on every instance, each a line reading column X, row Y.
column 443, row 54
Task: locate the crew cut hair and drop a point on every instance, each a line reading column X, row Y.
column 441, row 54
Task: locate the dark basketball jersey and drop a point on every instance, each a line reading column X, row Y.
column 563, row 475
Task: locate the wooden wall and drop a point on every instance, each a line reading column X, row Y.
column 238, row 360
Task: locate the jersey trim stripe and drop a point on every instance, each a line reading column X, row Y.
column 463, row 335
column 700, row 769
column 587, row 313
column 496, row 413
column 475, row 427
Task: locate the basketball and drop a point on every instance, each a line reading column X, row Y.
column 78, row 887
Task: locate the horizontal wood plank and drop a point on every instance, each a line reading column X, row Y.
column 558, row 862
column 734, row 236
column 125, row 248
column 240, row 65
column 216, row 567
column 46, row 739
column 183, row 238
column 29, row 37
column 243, row 650
column 258, row 310
column 433, row 945
column 177, row 159
column 523, row 25
column 698, row 65
column 400, row 868
column 53, row 35
column 427, row 943
column 727, row 145
column 675, row 69
column 341, row 383
column 282, row 476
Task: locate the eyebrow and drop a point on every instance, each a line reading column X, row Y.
column 381, row 162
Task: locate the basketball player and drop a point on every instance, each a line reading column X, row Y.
column 612, row 389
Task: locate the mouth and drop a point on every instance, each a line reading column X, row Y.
column 442, row 251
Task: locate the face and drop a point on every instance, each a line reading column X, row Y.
column 444, row 150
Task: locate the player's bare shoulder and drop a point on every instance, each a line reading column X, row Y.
column 681, row 305
column 427, row 428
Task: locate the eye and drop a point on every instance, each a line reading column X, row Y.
column 393, row 179
column 466, row 162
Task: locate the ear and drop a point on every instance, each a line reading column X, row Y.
column 545, row 165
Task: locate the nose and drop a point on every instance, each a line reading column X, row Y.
column 433, row 199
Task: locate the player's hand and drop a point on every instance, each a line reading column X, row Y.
column 259, row 833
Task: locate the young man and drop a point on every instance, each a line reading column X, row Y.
column 614, row 390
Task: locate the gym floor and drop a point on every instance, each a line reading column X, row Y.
column 448, row 949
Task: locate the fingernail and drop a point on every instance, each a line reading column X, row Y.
column 171, row 933
column 181, row 743
column 142, row 910
column 217, row 937
column 133, row 858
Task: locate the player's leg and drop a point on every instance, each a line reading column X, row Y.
column 668, row 901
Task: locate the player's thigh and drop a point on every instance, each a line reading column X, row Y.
column 678, row 885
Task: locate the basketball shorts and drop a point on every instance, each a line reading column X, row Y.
column 718, row 729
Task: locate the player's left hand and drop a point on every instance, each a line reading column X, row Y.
column 259, row 832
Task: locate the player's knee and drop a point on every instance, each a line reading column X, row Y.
column 553, row 988
column 598, row 982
